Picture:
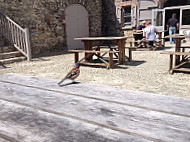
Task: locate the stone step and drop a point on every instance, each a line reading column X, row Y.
column 12, row 60
column 4, row 49
column 10, row 54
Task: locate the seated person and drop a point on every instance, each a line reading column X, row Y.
column 150, row 34
column 139, row 37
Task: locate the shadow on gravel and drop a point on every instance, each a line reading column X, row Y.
column 135, row 63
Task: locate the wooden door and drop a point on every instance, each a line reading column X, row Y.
column 77, row 25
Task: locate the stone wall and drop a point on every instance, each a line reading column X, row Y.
column 46, row 20
column 109, row 19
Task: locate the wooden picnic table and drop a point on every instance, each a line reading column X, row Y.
column 178, row 39
column 181, row 57
column 120, row 41
column 36, row 109
column 161, row 40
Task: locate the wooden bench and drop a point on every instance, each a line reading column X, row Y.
column 130, row 49
column 137, row 44
column 90, row 53
column 175, row 67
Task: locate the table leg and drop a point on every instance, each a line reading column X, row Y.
column 119, row 42
column 88, row 46
column 183, row 57
column 177, row 49
column 76, row 57
column 110, row 60
column 171, row 62
column 160, row 40
column 123, row 51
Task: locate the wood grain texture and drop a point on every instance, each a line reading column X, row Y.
column 24, row 124
column 168, row 104
column 123, row 114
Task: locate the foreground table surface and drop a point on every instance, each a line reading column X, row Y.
column 36, row 109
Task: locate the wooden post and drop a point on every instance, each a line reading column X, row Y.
column 130, row 54
column 183, row 57
column 123, row 50
column 28, row 48
column 177, row 49
column 87, row 46
column 171, row 62
column 110, row 60
column 120, row 51
column 76, row 57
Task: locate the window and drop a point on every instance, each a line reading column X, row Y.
column 158, row 18
column 127, row 15
column 186, row 17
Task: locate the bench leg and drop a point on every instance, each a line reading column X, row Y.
column 183, row 57
column 130, row 54
column 110, row 60
column 76, row 57
column 171, row 64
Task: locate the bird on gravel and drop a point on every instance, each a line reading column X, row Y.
column 73, row 74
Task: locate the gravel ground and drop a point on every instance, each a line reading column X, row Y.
column 147, row 72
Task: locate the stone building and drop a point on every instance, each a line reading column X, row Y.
column 130, row 13
column 54, row 23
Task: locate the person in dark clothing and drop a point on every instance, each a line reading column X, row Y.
column 140, row 30
column 139, row 33
column 172, row 25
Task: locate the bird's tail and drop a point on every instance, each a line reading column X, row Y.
column 59, row 83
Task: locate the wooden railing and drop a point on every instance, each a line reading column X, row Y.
column 15, row 34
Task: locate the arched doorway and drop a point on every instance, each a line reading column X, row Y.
column 77, row 25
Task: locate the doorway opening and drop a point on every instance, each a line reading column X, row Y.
column 168, row 15
column 77, row 25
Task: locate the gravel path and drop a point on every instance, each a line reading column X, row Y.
column 147, row 72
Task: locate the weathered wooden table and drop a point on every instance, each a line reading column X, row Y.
column 181, row 57
column 161, row 40
column 88, row 44
column 178, row 39
column 36, row 109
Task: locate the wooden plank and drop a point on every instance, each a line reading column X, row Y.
column 175, row 53
column 93, row 51
column 183, row 69
column 93, row 64
column 168, row 104
column 100, row 38
column 138, row 122
column 19, row 123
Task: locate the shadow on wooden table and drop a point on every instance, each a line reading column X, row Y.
column 70, row 83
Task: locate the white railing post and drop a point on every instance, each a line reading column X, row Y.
column 28, row 49
column 16, row 34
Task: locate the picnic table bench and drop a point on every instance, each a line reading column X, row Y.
column 108, row 64
column 176, row 67
column 159, row 42
column 181, row 57
column 132, row 47
column 37, row 109
column 88, row 45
